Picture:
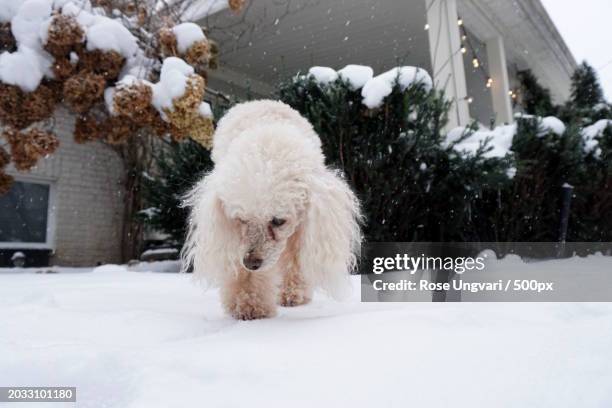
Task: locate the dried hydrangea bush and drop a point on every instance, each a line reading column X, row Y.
column 103, row 60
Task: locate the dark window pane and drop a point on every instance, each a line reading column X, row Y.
column 23, row 213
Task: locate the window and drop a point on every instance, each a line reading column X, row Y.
column 25, row 215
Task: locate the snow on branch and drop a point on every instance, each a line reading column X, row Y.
column 374, row 89
column 125, row 67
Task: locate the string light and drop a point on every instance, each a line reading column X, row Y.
column 465, row 43
column 426, row 27
column 469, row 99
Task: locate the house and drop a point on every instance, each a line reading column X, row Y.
column 70, row 209
column 473, row 49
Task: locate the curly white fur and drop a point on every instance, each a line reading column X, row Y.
column 269, row 165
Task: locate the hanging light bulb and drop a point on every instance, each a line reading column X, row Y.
column 489, row 82
column 475, row 62
column 463, row 50
column 460, row 21
column 426, row 27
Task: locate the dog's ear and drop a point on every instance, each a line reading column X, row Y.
column 330, row 235
column 210, row 238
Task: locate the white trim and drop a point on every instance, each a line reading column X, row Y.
column 447, row 59
column 502, row 105
column 51, row 215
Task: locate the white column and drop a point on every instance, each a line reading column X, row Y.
column 502, row 105
column 447, row 59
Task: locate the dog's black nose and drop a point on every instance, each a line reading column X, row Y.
column 252, row 262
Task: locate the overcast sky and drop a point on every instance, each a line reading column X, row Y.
column 586, row 26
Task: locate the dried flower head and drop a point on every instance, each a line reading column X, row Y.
column 23, row 158
column 134, row 102
column 64, row 35
column 178, row 135
column 108, row 64
column 202, row 131
column 40, row 104
column 63, row 68
column 82, row 91
column 118, row 130
column 40, row 143
column 159, row 126
column 56, row 88
column 168, row 42
column 87, row 129
column 186, row 108
column 11, row 99
column 198, row 53
column 20, row 109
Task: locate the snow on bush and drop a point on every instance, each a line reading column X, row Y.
column 187, row 41
column 356, row 75
column 197, row 10
column 551, row 124
column 24, row 68
column 378, row 88
column 499, row 139
column 172, row 83
column 178, row 96
column 110, row 35
column 374, row 89
column 188, row 34
column 323, row 75
column 591, row 133
column 8, row 9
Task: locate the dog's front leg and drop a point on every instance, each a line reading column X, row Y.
column 295, row 289
column 250, row 295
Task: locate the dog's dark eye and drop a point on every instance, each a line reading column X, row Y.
column 277, row 222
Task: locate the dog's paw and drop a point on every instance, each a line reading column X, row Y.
column 295, row 297
column 250, row 309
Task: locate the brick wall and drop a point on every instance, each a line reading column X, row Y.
column 88, row 203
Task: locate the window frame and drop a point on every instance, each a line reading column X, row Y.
column 51, row 215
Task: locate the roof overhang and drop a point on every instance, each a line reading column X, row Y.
column 531, row 38
column 274, row 39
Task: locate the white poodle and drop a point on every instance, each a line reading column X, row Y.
column 271, row 222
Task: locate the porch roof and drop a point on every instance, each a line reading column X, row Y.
column 274, row 39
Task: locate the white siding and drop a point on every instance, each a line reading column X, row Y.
column 88, row 184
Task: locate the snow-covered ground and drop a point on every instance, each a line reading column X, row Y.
column 142, row 339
